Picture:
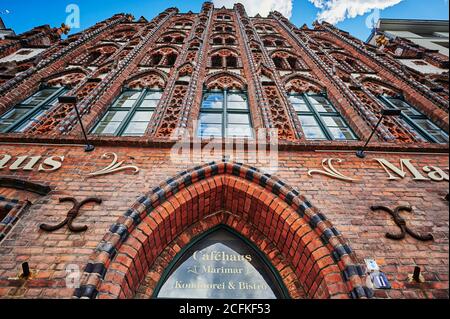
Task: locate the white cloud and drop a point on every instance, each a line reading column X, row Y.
column 263, row 7
column 334, row 11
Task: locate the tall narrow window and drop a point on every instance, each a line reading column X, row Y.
column 225, row 114
column 216, row 61
column 416, row 121
column 171, row 59
column 319, row 119
column 23, row 115
column 279, row 63
column 130, row 114
column 231, row 61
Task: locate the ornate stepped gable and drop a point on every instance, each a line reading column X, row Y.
column 185, row 54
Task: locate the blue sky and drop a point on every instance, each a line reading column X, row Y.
column 22, row 15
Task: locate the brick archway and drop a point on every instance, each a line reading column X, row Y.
column 320, row 260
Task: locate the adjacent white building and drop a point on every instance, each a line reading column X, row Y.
column 4, row 31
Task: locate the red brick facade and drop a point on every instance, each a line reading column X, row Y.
column 315, row 230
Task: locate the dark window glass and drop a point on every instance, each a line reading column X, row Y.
column 221, row 266
column 156, row 59
column 130, row 114
column 231, row 61
column 30, row 111
column 319, row 119
column 171, row 59
column 293, row 63
column 216, row 61
column 416, row 121
column 278, row 62
column 230, row 41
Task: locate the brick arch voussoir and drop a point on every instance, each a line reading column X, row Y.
column 323, row 262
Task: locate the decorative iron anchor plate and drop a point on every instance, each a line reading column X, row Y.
column 71, row 215
column 401, row 223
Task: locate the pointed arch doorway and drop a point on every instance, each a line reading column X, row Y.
column 221, row 264
column 310, row 256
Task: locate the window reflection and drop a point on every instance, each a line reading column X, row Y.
column 225, row 114
column 130, row 114
column 221, row 266
column 30, row 111
column 417, row 122
column 319, row 119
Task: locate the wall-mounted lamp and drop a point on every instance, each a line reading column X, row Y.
column 25, row 271
column 74, row 100
column 416, row 276
column 386, row 112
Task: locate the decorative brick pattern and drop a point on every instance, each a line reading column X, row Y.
column 315, row 250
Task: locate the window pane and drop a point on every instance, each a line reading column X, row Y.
column 237, row 101
column 314, row 133
column 114, row 116
column 308, row 120
column 135, row 129
column 142, row 116
column 106, row 128
column 149, row 104
column 334, row 121
column 211, row 118
column 11, row 117
column 110, row 123
column 405, row 107
column 321, row 104
column 432, row 129
column 236, row 130
column 207, row 130
column 40, row 96
column 234, row 97
column 311, row 128
column 238, row 119
column 299, row 104
column 341, row 133
column 238, row 105
column 153, row 95
column 213, row 101
column 127, row 99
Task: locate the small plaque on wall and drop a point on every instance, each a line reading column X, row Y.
column 380, row 280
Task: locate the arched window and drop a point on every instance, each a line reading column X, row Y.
column 416, row 121
column 217, row 41
column 231, row 61
column 171, row 59
column 221, row 265
column 225, row 114
column 179, row 40
column 230, row 41
column 319, row 119
column 279, row 63
column 268, row 43
column 156, row 59
column 130, row 114
column 24, row 114
column 279, row 43
column 293, row 63
column 216, row 61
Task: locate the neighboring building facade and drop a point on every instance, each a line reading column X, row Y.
column 421, row 45
column 5, row 31
column 164, row 219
